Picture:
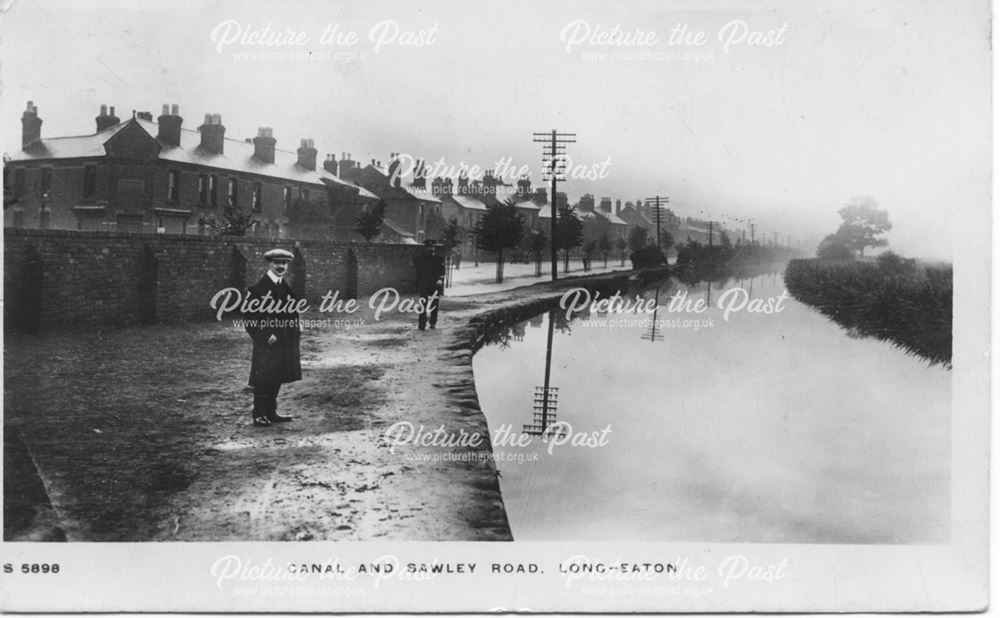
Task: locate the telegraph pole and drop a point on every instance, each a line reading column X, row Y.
column 709, row 233
column 554, row 162
column 657, row 200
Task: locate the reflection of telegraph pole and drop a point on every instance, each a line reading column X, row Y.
column 655, row 202
column 546, row 397
column 554, row 157
column 652, row 335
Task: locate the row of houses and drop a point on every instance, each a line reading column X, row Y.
column 141, row 174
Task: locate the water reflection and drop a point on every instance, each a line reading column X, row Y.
column 759, row 428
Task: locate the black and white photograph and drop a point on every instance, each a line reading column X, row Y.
column 653, row 305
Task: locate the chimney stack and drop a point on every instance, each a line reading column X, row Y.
column 31, row 126
column 420, row 175
column 346, row 166
column 330, row 165
column 263, row 145
column 394, row 170
column 170, row 125
column 213, row 133
column 463, row 183
column 307, row 154
column 106, row 120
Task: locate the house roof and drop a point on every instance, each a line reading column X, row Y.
column 468, row 202
column 237, row 156
column 402, row 192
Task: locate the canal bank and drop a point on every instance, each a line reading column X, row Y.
column 130, row 436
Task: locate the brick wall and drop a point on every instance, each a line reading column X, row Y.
column 62, row 280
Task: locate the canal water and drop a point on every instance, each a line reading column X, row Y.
column 766, row 427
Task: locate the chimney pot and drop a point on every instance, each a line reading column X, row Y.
column 104, row 110
column 166, row 110
column 175, row 110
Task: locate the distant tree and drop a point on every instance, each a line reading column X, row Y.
column 604, row 246
column 234, row 221
column 588, row 251
column 724, row 240
column 569, row 232
column 666, row 240
column 833, row 247
column 370, row 221
column 500, row 228
column 451, row 237
column 537, row 243
column 621, row 244
column 863, row 224
column 637, row 238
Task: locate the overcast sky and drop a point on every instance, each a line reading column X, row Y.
column 888, row 98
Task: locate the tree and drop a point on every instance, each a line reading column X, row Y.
column 451, row 238
column 569, row 232
column 537, row 243
column 604, row 246
column 370, row 221
column 234, row 221
column 833, row 247
column 666, row 240
column 621, row 244
column 588, row 251
column 637, row 238
column 500, row 228
column 863, row 223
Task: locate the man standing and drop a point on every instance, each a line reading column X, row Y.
column 430, row 283
column 275, row 337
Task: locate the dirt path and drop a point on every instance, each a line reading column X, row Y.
column 144, row 434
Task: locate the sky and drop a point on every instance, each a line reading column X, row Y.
column 889, row 99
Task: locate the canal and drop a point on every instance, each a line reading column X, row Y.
column 685, row 426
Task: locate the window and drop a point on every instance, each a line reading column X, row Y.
column 305, row 194
column 19, row 182
column 173, row 189
column 89, row 181
column 286, row 198
column 45, row 186
column 256, row 196
column 213, row 190
column 232, row 192
column 203, row 189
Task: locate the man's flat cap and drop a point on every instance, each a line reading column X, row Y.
column 278, row 254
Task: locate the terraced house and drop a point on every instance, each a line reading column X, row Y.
column 141, row 175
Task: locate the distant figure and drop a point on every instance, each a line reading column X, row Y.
column 430, row 282
column 275, row 341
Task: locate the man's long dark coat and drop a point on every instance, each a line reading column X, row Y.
column 279, row 362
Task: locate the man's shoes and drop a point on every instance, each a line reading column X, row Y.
column 261, row 421
column 277, row 418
